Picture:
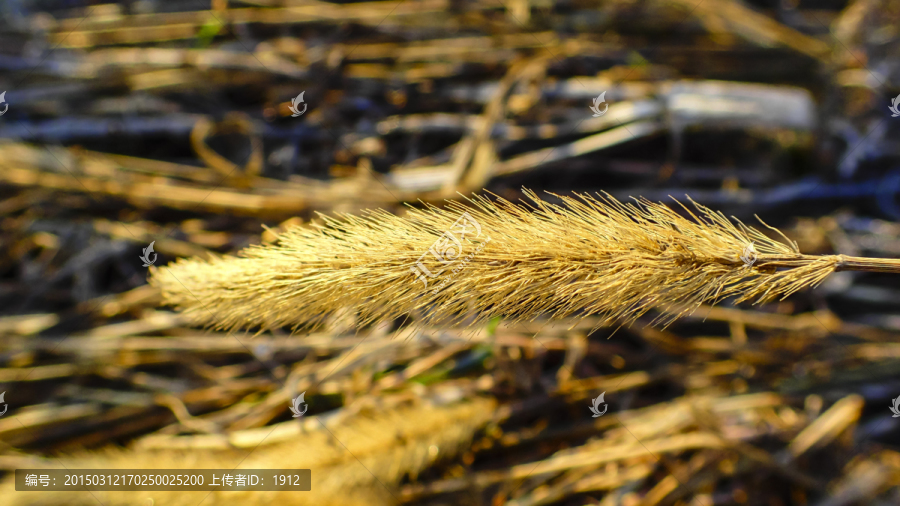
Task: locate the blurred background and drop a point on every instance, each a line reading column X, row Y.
column 188, row 126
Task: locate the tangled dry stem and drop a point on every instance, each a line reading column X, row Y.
column 590, row 255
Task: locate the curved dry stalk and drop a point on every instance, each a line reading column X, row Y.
column 591, row 255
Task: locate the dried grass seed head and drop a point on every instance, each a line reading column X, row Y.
column 587, row 255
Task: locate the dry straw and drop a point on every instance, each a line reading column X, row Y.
column 359, row 461
column 491, row 257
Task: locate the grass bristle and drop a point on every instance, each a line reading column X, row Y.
column 589, row 255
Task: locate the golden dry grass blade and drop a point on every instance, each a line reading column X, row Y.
column 590, row 255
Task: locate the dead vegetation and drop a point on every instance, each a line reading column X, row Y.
column 515, row 262
column 380, row 444
column 170, row 122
